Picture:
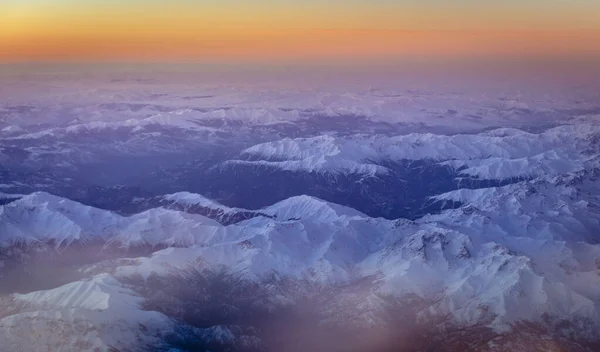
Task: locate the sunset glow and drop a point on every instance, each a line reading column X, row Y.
column 38, row 30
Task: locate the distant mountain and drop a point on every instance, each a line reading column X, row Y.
column 494, row 155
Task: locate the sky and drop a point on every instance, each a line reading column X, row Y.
column 298, row 31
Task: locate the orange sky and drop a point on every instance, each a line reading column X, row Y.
column 236, row 30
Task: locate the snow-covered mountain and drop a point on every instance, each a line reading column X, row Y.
column 216, row 208
column 197, row 204
column 42, row 217
column 522, row 252
column 94, row 314
column 505, row 233
column 497, row 154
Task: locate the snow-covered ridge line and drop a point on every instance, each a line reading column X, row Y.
column 4, row 196
column 497, row 154
column 41, row 217
column 197, row 204
column 520, row 250
column 185, row 119
column 134, row 125
column 194, row 199
column 93, row 314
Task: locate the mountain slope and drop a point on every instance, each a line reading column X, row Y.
column 498, row 154
column 94, row 314
column 496, row 256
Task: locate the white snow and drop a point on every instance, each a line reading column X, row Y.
column 88, row 315
column 42, row 217
column 508, row 254
column 498, row 154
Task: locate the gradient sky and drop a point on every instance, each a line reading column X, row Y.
column 263, row 30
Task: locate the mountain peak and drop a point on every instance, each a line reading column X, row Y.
column 305, row 206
